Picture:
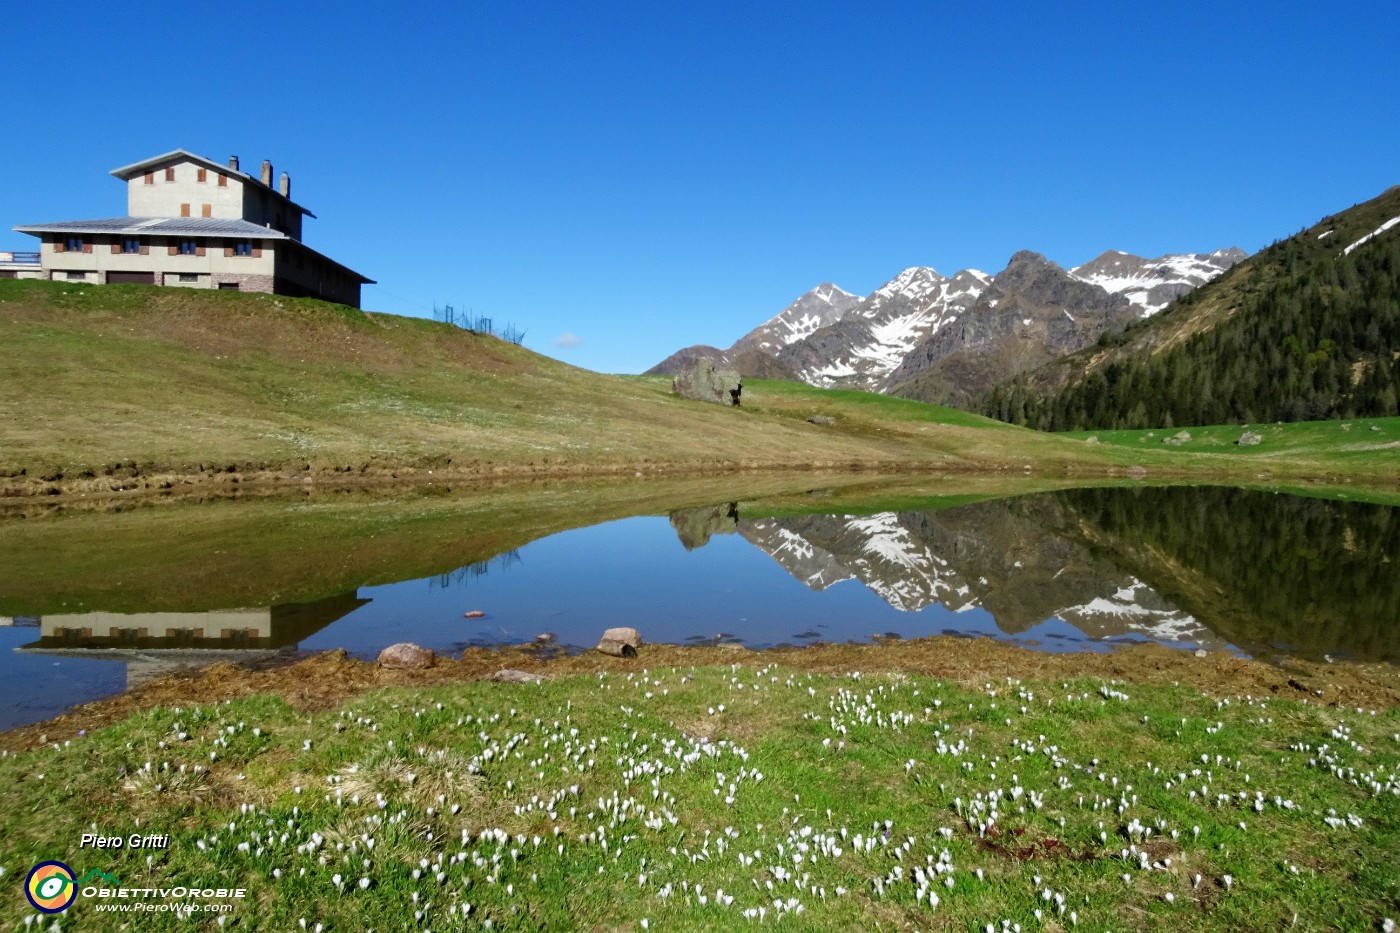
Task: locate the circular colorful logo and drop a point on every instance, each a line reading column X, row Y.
column 50, row 887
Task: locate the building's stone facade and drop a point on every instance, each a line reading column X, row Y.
column 196, row 224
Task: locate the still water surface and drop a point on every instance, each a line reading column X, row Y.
column 1217, row 568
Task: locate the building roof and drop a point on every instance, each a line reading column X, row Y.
column 181, row 226
column 161, row 226
column 298, row 244
column 127, row 172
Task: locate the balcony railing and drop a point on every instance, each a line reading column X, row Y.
column 26, row 259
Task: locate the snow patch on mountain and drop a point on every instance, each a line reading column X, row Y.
column 1152, row 284
column 1374, row 233
column 913, row 283
column 887, row 326
column 826, row 304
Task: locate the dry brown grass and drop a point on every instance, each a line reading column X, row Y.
column 328, row 680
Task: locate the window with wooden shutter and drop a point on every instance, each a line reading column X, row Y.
column 170, row 173
column 184, row 210
column 199, row 249
column 206, row 210
column 87, row 247
column 223, row 180
column 150, row 178
column 173, row 249
column 116, row 248
column 257, row 249
column 202, row 175
column 59, row 246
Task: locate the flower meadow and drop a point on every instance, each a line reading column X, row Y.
column 734, row 796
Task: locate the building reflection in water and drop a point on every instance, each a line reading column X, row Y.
column 154, row 643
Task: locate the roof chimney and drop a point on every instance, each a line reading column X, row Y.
column 233, row 162
column 267, row 173
column 284, row 186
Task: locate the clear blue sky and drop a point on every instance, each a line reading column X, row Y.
column 643, row 176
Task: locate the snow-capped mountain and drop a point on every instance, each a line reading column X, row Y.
column 1152, row 284
column 987, row 328
column 756, row 353
column 826, row 304
column 1029, row 313
column 871, row 340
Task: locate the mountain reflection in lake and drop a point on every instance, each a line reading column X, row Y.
column 1210, row 567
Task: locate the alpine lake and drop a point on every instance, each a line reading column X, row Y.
column 96, row 598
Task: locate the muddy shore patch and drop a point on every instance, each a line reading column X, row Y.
column 329, row 679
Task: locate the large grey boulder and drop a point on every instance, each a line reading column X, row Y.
column 1250, row 439
column 702, row 380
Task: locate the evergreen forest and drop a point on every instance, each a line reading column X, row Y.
column 1318, row 337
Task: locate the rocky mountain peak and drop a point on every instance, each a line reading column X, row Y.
column 1031, row 310
column 1027, row 257
column 817, row 308
column 1037, row 280
column 913, row 283
column 832, row 294
column 1152, row 284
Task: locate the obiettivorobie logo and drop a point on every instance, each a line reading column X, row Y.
column 51, row 887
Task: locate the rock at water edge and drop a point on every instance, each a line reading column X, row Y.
column 621, row 642
column 406, row 656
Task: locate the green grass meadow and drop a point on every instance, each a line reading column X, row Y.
column 131, row 389
column 1356, row 442
column 731, row 797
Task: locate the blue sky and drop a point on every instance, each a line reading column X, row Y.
column 644, row 176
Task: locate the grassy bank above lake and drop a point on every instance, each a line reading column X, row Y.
column 125, row 388
column 937, row 785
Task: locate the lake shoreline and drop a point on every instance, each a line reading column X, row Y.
column 332, row 678
column 272, row 479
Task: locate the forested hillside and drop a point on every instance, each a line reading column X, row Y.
column 1307, row 329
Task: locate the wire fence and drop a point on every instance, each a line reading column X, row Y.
column 477, row 323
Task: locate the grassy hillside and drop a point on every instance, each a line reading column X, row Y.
column 1304, row 330
column 120, row 380
column 128, row 388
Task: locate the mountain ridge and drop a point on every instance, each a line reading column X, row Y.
column 947, row 339
column 1307, row 329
